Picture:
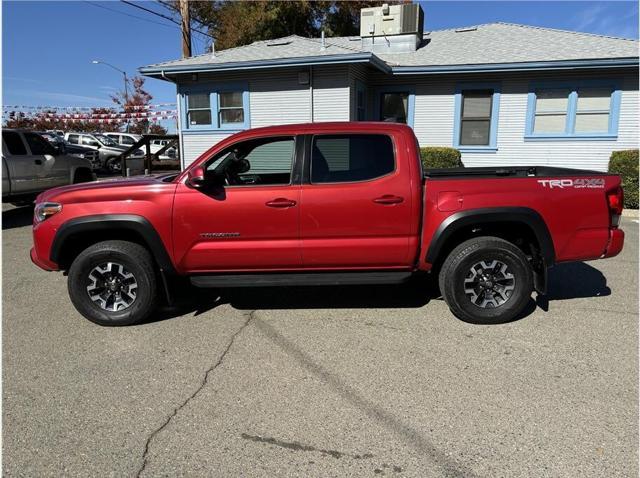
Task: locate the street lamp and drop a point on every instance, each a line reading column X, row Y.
column 126, row 88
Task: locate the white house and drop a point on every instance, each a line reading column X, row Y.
column 503, row 94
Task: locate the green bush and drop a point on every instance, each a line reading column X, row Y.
column 625, row 163
column 440, row 157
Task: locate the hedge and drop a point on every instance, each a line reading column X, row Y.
column 625, row 163
column 440, row 157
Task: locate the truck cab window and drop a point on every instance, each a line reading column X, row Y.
column 348, row 158
column 14, row 144
column 258, row 162
column 38, row 145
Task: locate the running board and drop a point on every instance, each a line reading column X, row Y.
column 299, row 279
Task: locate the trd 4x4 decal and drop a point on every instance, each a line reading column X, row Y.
column 589, row 183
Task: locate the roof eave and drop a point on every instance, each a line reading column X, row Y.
column 367, row 57
column 522, row 66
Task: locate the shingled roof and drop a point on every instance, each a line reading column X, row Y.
column 451, row 49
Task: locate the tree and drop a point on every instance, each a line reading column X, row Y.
column 133, row 101
column 52, row 119
column 234, row 23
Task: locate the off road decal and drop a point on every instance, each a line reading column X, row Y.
column 582, row 183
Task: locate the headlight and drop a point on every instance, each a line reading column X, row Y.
column 46, row 209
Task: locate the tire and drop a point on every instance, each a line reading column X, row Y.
column 92, row 270
column 113, row 165
column 82, row 176
column 501, row 298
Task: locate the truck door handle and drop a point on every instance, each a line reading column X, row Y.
column 388, row 199
column 281, row 202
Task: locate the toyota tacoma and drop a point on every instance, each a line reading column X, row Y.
column 324, row 204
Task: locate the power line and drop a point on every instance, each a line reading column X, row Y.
column 153, row 12
column 128, row 14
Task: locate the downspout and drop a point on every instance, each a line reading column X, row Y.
column 179, row 110
column 311, row 91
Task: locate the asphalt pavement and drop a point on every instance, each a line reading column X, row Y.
column 321, row 382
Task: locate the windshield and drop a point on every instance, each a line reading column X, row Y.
column 105, row 140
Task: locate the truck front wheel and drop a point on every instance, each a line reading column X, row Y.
column 113, row 283
column 486, row 280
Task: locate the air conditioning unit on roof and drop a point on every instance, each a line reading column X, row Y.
column 392, row 28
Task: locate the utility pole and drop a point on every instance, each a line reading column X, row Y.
column 186, row 28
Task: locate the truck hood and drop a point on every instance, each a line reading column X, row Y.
column 100, row 185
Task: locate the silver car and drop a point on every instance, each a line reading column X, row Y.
column 109, row 151
column 30, row 165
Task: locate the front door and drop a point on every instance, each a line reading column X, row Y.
column 356, row 206
column 251, row 221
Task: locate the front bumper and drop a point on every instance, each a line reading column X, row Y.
column 42, row 263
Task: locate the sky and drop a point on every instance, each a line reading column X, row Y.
column 47, row 47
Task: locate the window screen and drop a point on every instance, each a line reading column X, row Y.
column 475, row 125
column 38, row 145
column 345, row 158
column 198, row 108
column 394, row 107
column 231, row 107
column 592, row 115
column 551, row 111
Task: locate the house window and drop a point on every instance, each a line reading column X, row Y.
column 475, row 123
column 476, row 117
column 592, row 113
column 231, row 110
column 198, row 108
column 394, row 106
column 213, row 107
column 551, row 111
column 588, row 110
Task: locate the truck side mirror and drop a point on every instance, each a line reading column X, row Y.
column 196, row 177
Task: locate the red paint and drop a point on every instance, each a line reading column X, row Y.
column 385, row 223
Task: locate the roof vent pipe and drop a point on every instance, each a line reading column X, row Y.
column 322, row 43
column 213, row 48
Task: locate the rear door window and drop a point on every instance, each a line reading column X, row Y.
column 13, row 143
column 349, row 158
column 73, row 139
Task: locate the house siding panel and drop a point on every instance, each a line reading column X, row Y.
column 276, row 97
column 331, row 94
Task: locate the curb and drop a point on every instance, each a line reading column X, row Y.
column 629, row 213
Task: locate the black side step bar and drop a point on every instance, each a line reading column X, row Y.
column 299, row 279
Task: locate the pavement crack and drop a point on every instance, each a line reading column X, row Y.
column 205, row 380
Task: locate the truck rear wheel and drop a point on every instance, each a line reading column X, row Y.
column 486, row 280
column 113, row 283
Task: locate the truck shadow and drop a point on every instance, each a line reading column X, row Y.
column 17, row 217
column 566, row 281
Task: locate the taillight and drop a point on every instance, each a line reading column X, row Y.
column 615, row 200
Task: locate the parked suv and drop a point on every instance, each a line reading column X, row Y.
column 125, row 139
column 109, row 151
column 58, row 142
column 30, row 165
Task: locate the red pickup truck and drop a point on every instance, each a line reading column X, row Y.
column 324, row 204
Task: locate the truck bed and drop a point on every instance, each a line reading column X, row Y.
column 511, row 171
